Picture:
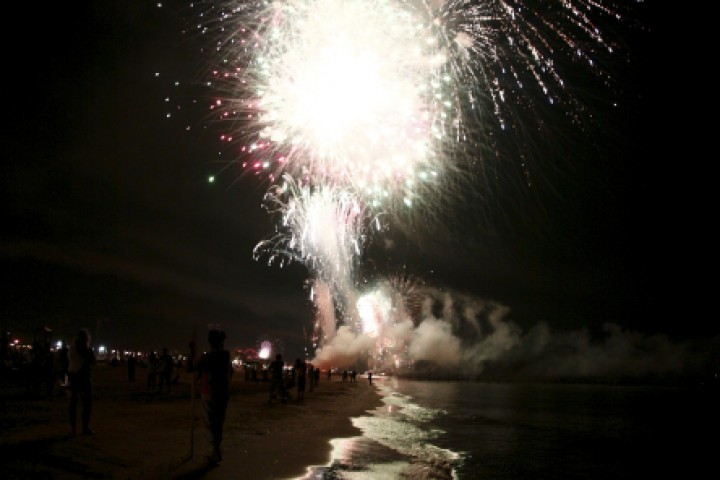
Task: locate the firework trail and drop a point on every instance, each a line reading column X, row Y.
column 323, row 227
column 359, row 108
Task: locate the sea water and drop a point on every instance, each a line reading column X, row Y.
column 468, row 430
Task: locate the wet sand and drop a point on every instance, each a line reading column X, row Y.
column 140, row 435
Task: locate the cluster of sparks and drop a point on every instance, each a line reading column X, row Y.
column 353, row 108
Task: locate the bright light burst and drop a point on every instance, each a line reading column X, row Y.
column 353, row 88
column 379, row 95
column 343, row 92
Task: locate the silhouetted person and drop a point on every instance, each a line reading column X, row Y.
column 152, row 369
column 81, row 359
column 63, row 357
column 131, row 364
column 277, row 385
column 301, row 369
column 165, row 369
column 42, row 378
column 214, row 371
column 370, row 377
column 310, row 376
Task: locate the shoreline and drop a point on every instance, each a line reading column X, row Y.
column 142, row 435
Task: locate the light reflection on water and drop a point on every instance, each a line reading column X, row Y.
column 466, row 430
column 397, row 441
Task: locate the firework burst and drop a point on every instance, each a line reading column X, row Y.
column 356, row 107
column 381, row 95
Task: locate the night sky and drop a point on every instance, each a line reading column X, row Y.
column 110, row 223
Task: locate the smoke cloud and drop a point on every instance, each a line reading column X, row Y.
column 457, row 335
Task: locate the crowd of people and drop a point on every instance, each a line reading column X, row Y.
column 42, row 369
column 71, row 366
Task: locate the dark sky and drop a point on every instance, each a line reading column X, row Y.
column 109, row 221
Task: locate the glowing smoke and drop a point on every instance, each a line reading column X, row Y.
column 462, row 336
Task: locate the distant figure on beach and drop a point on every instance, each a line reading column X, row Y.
column 301, row 369
column 277, row 386
column 214, row 371
column 81, row 359
column 42, row 377
column 152, row 369
column 131, row 364
column 165, row 370
column 370, row 377
column 310, row 376
column 63, row 357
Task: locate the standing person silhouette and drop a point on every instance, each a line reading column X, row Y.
column 310, row 376
column 214, row 371
column 64, row 361
column 165, row 369
column 131, row 365
column 80, row 360
column 301, row 369
column 152, row 368
column 277, row 380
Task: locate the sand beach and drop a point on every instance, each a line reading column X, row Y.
column 142, row 435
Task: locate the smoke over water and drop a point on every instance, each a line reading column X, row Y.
column 454, row 335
